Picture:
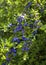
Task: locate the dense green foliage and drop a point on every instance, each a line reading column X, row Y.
column 22, row 32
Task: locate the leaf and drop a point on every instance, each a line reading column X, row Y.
column 43, row 27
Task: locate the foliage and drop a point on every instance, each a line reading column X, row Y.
column 22, row 32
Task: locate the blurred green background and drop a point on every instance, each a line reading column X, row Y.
column 33, row 12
